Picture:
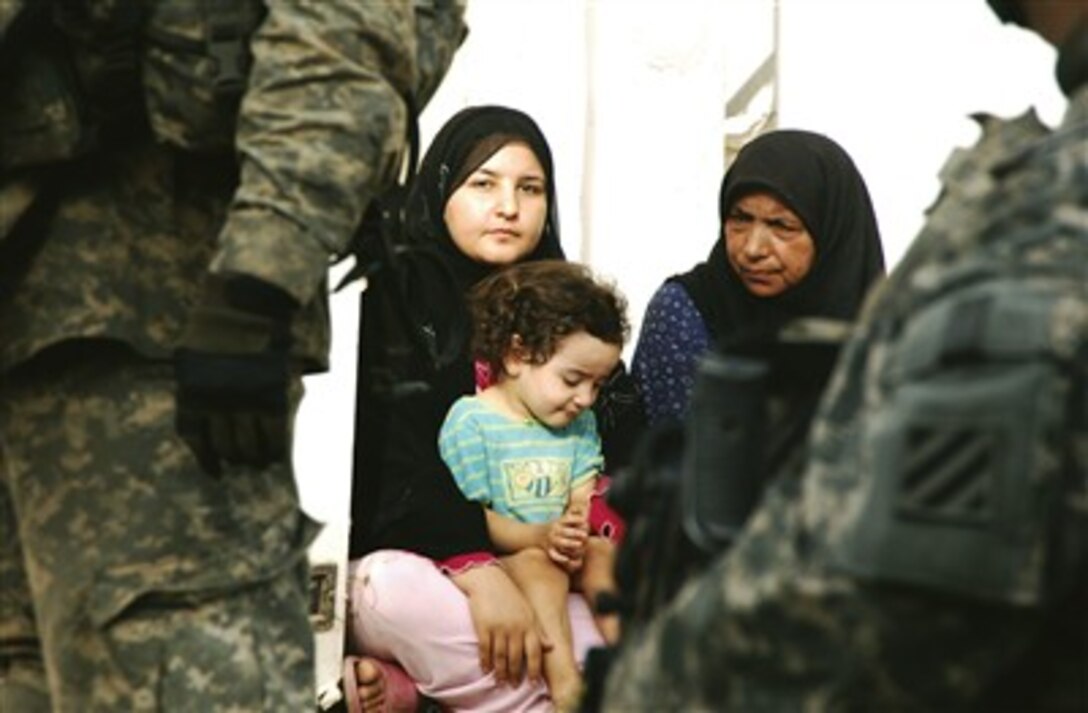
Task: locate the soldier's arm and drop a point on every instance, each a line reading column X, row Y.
column 322, row 126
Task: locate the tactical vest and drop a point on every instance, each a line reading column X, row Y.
column 76, row 75
column 968, row 445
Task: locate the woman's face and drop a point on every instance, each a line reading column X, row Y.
column 497, row 215
column 768, row 246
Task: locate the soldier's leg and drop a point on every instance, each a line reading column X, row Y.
column 23, row 685
column 156, row 586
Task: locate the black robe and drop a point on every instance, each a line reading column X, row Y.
column 403, row 495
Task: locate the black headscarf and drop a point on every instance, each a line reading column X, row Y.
column 403, row 496
column 444, row 164
column 818, row 181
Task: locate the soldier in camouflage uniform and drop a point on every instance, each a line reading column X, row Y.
column 870, row 581
column 145, row 568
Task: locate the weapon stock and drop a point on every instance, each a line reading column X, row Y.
column 722, row 470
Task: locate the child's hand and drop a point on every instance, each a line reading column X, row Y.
column 566, row 540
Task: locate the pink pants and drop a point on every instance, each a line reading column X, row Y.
column 402, row 608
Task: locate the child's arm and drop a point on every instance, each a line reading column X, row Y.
column 509, row 535
column 579, row 498
column 564, row 539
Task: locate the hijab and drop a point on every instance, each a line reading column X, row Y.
column 819, row 182
column 464, row 143
column 447, row 164
column 402, row 495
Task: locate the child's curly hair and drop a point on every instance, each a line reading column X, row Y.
column 541, row 303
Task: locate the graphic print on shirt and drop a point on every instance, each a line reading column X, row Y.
column 536, row 483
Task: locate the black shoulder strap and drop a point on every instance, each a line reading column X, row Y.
column 384, row 253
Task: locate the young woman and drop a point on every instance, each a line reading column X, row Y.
column 426, row 589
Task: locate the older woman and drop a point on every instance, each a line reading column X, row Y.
column 798, row 239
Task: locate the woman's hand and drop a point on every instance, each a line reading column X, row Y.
column 506, row 628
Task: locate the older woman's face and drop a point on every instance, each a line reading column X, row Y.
column 768, row 246
column 497, row 215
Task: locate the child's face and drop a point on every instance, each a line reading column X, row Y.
column 556, row 391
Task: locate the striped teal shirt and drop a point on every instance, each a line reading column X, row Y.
column 520, row 469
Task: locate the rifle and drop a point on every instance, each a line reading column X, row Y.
column 693, row 485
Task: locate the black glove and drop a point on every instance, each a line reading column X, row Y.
column 233, row 372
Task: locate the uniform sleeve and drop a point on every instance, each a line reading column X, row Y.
column 321, row 129
column 463, row 449
column 672, row 338
column 772, row 625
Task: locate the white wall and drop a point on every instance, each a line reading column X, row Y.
column 631, row 96
column 894, row 81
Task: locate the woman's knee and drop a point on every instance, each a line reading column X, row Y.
column 394, row 596
column 389, row 577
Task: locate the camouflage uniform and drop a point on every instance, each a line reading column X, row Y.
column 786, row 622
column 130, row 579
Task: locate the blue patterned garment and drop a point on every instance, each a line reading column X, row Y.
column 672, row 338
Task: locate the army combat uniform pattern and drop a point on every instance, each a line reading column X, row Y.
column 845, row 594
column 129, row 578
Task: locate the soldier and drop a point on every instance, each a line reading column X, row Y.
column 931, row 553
column 175, row 177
